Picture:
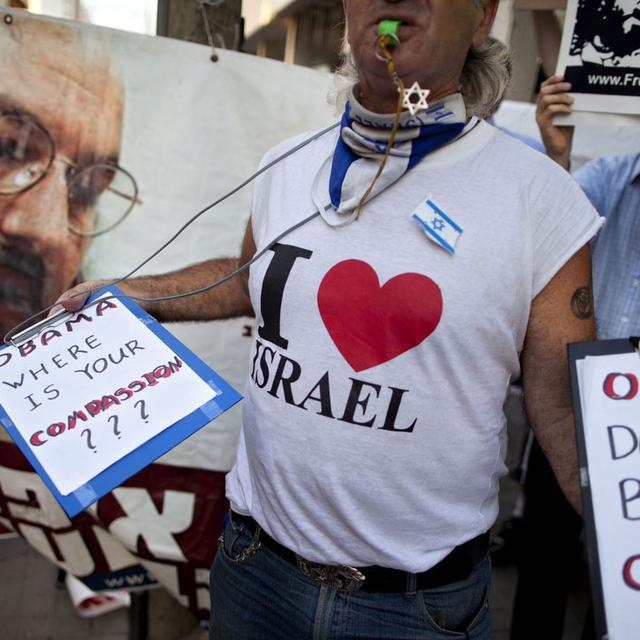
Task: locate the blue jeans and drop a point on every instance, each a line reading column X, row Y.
column 261, row 596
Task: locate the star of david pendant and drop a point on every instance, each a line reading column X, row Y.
column 415, row 98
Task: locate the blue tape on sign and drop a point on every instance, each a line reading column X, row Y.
column 211, row 410
column 112, row 477
column 214, row 386
column 86, row 493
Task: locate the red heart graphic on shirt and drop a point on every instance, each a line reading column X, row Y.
column 371, row 324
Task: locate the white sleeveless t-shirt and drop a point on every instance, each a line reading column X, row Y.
column 373, row 431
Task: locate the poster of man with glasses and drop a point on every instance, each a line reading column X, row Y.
column 600, row 55
column 109, row 143
column 60, row 181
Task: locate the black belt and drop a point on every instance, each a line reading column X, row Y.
column 454, row 567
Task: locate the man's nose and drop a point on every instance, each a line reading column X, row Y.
column 39, row 214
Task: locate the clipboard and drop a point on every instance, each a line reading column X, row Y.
column 114, row 475
column 577, row 351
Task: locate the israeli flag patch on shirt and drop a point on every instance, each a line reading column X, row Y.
column 438, row 226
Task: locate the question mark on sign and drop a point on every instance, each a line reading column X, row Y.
column 116, row 431
column 89, row 443
column 143, row 414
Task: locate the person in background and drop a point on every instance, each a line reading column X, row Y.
column 550, row 528
column 612, row 184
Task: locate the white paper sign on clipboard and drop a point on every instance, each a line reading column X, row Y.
column 102, row 394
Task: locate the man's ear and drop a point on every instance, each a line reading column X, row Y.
column 489, row 10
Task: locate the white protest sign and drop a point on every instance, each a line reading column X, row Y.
column 85, row 393
column 610, row 401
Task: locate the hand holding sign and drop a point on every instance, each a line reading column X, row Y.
column 84, row 395
column 75, row 298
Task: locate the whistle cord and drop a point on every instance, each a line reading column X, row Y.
column 8, row 338
column 384, row 41
column 221, row 281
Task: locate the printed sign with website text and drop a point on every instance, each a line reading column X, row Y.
column 600, row 55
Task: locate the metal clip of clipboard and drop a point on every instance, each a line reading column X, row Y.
column 35, row 329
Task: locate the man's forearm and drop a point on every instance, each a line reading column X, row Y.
column 547, row 398
column 560, row 314
column 555, row 431
column 226, row 301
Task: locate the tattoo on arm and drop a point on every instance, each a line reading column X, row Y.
column 581, row 303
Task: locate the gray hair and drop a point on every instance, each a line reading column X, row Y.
column 485, row 76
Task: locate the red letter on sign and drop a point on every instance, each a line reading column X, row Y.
column 26, row 348
column 56, row 429
column 36, row 440
column 610, row 380
column 629, row 580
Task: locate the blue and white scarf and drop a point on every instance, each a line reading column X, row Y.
column 363, row 142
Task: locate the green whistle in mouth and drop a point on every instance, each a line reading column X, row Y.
column 391, row 29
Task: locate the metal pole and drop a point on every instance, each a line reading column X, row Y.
column 139, row 615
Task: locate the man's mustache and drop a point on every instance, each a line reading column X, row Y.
column 22, row 293
column 28, row 264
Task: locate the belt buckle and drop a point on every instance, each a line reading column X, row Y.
column 340, row 578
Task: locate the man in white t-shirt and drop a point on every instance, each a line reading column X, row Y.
column 387, row 332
